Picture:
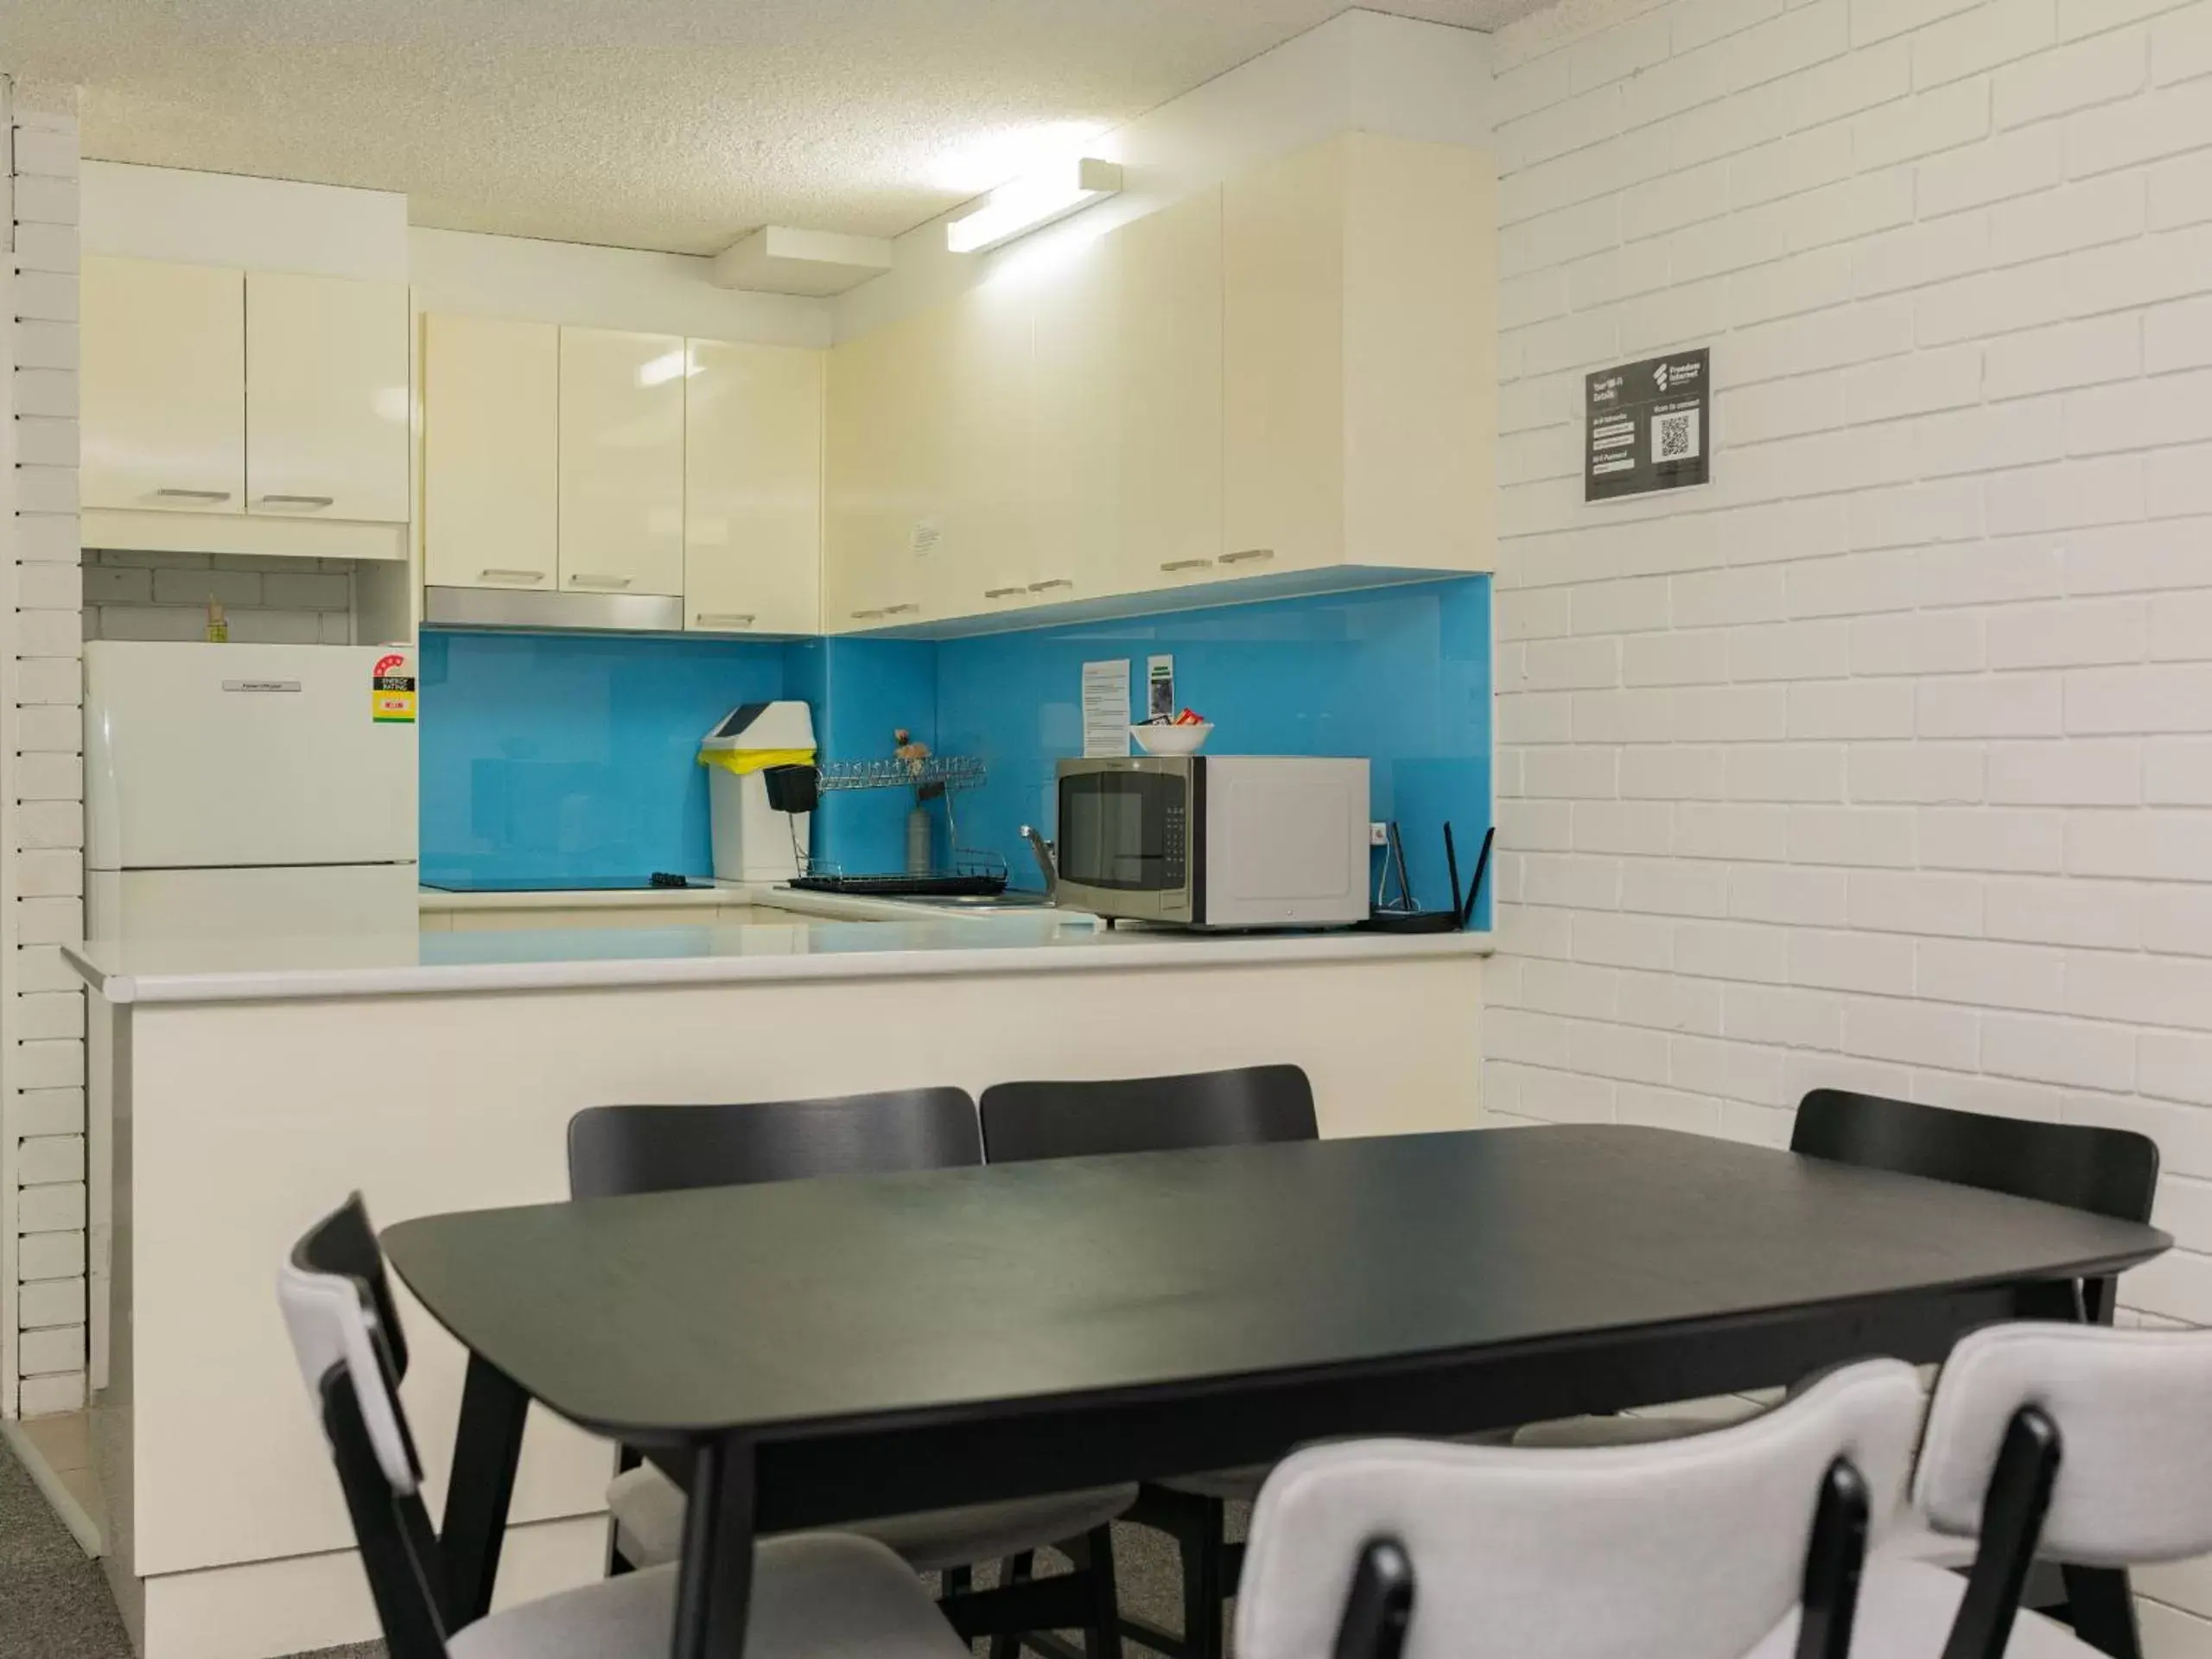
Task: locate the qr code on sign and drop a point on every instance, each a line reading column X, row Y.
column 1674, row 437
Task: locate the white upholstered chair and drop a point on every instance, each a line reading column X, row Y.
column 2081, row 1444
column 1686, row 1548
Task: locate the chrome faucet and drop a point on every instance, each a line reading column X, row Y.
column 1043, row 848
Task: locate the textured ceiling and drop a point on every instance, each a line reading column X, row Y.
column 648, row 124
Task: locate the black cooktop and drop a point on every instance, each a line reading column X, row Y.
column 562, row 883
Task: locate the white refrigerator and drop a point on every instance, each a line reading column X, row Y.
column 241, row 791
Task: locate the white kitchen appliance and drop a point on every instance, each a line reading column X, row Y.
column 1215, row 840
column 239, row 790
column 752, row 840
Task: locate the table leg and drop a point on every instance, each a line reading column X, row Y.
column 714, row 1584
column 487, row 1446
column 2100, row 1603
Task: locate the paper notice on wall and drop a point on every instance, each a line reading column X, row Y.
column 1105, row 708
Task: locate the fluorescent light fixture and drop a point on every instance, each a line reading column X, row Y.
column 1027, row 203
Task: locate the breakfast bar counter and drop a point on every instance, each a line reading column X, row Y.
column 241, row 1089
column 777, row 946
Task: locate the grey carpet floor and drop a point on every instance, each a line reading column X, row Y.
column 54, row 1603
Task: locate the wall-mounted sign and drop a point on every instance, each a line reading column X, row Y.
column 1650, row 426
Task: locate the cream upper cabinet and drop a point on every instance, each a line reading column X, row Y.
column 1358, row 360
column 163, row 386
column 327, row 427
column 491, row 452
column 988, row 556
column 884, row 478
column 753, row 489
column 621, row 463
column 1130, row 424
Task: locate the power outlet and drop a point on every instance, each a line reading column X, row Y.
column 1378, row 833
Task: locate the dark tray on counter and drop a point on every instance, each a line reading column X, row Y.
column 902, row 887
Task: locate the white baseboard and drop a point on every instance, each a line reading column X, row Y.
column 82, row 1527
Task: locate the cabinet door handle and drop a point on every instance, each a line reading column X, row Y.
column 900, row 610
column 866, row 616
column 1254, row 554
column 192, row 495
column 722, row 619
column 511, row 575
column 310, row 502
column 583, row 579
column 1186, row 564
column 1002, row 592
column 1047, row 587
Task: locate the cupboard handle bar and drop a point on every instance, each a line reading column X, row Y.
column 1047, row 587
column 584, row 578
column 192, row 495
column 1255, row 553
column 900, row 610
column 1186, row 564
column 511, row 575
column 1002, row 592
column 866, row 616
column 299, row 500
column 723, row 619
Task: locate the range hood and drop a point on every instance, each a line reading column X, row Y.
column 539, row 610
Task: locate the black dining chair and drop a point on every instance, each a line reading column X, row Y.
column 615, row 1151
column 812, row 1593
column 1243, row 1107
column 2105, row 1171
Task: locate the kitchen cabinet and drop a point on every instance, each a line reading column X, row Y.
column 753, row 489
column 1359, row 359
column 222, row 394
column 987, row 554
column 621, row 463
column 885, row 436
column 326, row 406
column 163, row 387
column 1130, row 422
column 491, row 452
column 1290, row 375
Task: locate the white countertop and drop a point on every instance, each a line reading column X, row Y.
column 441, row 963
column 723, row 893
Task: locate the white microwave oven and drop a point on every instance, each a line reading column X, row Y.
column 1215, row 840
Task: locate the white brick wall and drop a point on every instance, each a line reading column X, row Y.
column 1886, row 761
column 266, row 598
column 43, row 1190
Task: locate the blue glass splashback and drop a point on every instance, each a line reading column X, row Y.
column 575, row 755
column 861, row 692
column 1399, row 675
column 550, row 755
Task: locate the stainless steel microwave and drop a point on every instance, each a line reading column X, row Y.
column 1215, row 840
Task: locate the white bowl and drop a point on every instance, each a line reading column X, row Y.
column 1173, row 740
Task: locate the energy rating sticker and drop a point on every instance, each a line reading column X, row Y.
column 391, row 691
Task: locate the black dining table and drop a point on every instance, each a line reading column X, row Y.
column 811, row 1352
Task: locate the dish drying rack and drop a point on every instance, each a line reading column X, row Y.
column 951, row 771
column 971, row 872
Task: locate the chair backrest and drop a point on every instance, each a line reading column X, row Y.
column 1696, row 1547
column 614, row 1150
column 1024, row 1121
column 2106, row 1172
column 338, row 1310
column 2133, row 1415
